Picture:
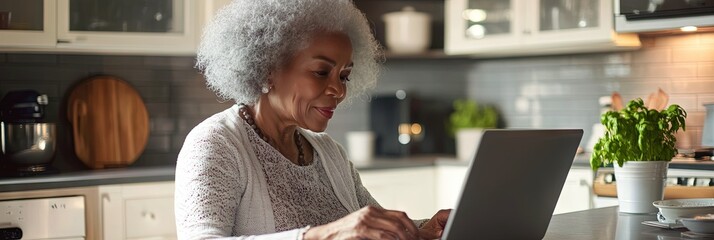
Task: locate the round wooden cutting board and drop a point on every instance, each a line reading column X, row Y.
column 110, row 124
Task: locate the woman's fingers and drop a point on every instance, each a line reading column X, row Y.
column 374, row 233
column 391, row 222
column 405, row 221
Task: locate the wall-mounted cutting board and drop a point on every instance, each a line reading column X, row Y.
column 110, row 124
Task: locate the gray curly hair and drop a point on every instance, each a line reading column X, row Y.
column 248, row 39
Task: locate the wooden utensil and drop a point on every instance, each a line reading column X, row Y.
column 110, row 124
column 617, row 104
column 663, row 100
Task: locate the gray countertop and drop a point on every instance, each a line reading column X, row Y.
column 154, row 174
column 607, row 223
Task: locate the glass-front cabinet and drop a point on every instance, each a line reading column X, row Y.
column 524, row 27
column 487, row 21
column 104, row 26
column 132, row 25
column 27, row 23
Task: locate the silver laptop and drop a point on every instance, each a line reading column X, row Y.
column 513, row 184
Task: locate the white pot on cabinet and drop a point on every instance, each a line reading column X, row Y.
column 467, row 142
column 407, row 31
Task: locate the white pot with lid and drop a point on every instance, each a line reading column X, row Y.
column 407, row 31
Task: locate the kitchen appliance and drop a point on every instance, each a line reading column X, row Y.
column 405, row 124
column 27, row 143
column 43, row 218
column 658, row 15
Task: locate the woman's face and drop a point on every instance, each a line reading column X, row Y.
column 308, row 88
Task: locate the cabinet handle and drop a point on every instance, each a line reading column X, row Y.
column 64, row 41
column 105, row 197
column 150, row 215
column 584, row 183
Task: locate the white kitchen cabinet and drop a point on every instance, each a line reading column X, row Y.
column 577, row 192
column 410, row 190
column 137, row 211
column 160, row 27
column 529, row 27
column 30, row 23
column 449, row 182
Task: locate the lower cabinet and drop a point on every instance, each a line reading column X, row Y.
column 137, row 211
column 420, row 192
column 410, row 190
column 577, row 192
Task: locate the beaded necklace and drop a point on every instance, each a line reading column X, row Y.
column 245, row 115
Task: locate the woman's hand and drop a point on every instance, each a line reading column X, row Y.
column 435, row 226
column 367, row 223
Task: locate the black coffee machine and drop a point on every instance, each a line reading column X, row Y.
column 406, row 124
column 27, row 142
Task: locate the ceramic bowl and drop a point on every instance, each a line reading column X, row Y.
column 674, row 209
column 698, row 225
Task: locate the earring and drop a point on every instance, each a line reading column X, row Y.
column 264, row 89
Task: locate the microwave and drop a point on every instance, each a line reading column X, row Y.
column 662, row 15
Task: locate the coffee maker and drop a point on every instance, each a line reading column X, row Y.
column 27, row 141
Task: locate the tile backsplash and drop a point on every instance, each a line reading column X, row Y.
column 531, row 92
column 563, row 91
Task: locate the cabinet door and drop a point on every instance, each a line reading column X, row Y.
column 557, row 21
column 449, row 183
column 577, row 192
column 410, row 190
column 481, row 25
column 138, row 211
column 156, row 26
column 27, row 23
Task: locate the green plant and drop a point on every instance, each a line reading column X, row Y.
column 636, row 133
column 469, row 114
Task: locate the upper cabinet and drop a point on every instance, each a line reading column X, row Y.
column 136, row 26
column 28, row 23
column 161, row 27
column 530, row 27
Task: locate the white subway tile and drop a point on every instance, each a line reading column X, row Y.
column 652, row 55
column 705, row 69
column 693, row 54
column 687, row 101
column 665, row 70
column 702, row 99
column 678, row 40
column 692, row 86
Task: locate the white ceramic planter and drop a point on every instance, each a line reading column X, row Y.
column 467, row 141
column 639, row 184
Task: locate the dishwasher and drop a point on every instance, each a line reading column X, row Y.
column 43, row 218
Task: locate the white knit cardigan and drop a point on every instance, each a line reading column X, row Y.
column 221, row 189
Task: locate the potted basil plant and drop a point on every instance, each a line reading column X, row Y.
column 467, row 123
column 639, row 143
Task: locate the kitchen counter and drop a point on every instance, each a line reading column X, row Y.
column 88, row 178
column 154, row 174
column 607, row 223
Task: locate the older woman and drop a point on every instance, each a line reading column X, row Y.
column 263, row 168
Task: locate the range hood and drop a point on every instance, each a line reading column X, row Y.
column 662, row 15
